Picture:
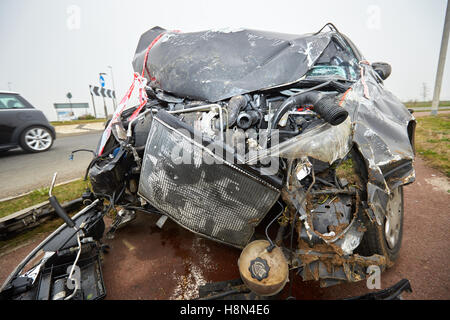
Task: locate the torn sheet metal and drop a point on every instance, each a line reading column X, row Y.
column 303, row 169
column 382, row 132
column 215, row 65
column 331, row 269
column 326, row 143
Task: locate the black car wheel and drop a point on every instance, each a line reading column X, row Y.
column 36, row 139
column 387, row 238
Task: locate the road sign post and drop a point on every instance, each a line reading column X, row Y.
column 102, row 92
column 69, row 96
column 102, row 83
column 93, row 103
column 106, row 110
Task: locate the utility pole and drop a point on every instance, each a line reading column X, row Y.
column 114, row 88
column 424, row 91
column 441, row 64
column 9, row 86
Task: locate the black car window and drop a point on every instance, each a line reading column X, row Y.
column 8, row 101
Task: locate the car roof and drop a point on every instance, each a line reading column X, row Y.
column 10, row 92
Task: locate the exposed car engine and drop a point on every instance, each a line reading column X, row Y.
column 248, row 134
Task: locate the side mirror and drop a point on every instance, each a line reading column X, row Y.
column 383, row 69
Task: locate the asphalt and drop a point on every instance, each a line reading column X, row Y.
column 146, row 262
column 21, row 172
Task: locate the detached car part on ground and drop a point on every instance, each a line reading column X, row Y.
column 238, row 130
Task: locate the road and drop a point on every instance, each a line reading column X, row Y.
column 21, row 172
column 146, row 262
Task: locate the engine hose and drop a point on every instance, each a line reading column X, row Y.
column 247, row 119
column 235, row 105
column 289, row 103
column 330, row 111
column 324, row 105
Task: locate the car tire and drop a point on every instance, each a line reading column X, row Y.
column 36, row 139
column 386, row 239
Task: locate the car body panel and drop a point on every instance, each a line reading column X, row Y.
column 13, row 121
column 218, row 64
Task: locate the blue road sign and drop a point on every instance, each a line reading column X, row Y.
column 102, row 81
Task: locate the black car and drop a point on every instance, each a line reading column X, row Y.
column 23, row 125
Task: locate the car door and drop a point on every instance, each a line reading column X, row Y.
column 12, row 114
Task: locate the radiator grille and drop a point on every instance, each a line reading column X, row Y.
column 220, row 201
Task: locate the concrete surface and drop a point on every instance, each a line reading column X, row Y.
column 75, row 129
column 146, row 262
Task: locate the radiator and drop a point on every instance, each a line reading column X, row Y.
column 223, row 202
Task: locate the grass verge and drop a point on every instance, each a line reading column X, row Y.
column 425, row 104
column 433, row 141
column 65, row 192
column 64, row 123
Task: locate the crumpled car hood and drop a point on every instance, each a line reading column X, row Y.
column 216, row 65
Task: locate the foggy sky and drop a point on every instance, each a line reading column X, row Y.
column 51, row 47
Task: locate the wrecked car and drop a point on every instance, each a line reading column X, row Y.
column 286, row 146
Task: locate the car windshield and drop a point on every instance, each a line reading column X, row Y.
column 337, row 61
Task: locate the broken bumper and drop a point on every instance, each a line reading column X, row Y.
column 235, row 290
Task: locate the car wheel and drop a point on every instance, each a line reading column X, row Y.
column 36, row 139
column 386, row 239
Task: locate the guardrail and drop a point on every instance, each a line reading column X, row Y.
column 31, row 217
